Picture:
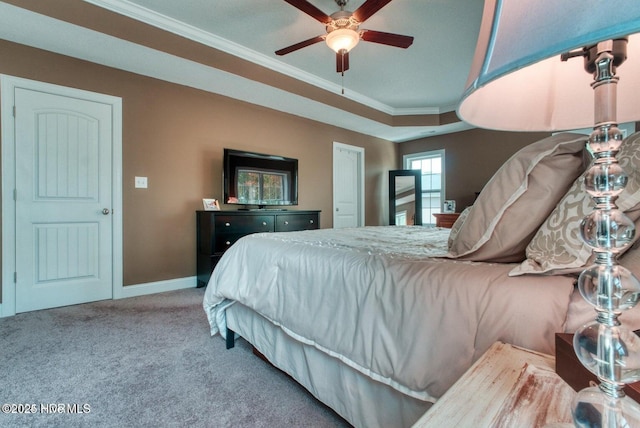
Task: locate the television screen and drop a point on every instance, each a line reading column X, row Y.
column 259, row 179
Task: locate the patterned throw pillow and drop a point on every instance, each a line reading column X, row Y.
column 557, row 247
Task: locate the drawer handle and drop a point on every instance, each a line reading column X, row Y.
column 286, row 222
column 227, row 224
column 264, row 223
column 311, row 221
column 228, row 243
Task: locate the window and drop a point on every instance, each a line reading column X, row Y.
column 401, row 218
column 432, row 166
column 266, row 187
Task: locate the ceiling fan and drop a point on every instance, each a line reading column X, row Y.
column 343, row 30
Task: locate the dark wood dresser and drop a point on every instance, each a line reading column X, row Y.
column 218, row 230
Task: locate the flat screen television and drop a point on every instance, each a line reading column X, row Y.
column 256, row 179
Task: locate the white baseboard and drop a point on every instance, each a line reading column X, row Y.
column 155, row 287
column 139, row 290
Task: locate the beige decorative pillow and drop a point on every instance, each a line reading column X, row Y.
column 518, row 198
column 557, row 247
column 455, row 229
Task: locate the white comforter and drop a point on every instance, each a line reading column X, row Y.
column 379, row 300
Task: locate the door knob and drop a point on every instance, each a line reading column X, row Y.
column 105, row 211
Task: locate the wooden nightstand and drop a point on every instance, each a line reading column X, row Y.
column 446, row 219
column 507, row 387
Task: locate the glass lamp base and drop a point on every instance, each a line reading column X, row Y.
column 593, row 408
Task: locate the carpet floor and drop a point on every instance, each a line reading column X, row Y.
column 146, row 361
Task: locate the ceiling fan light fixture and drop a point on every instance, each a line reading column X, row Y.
column 342, row 39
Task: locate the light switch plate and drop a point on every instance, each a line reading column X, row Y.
column 141, row 182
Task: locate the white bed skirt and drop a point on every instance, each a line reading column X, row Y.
column 360, row 400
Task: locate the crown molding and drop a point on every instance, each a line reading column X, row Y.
column 163, row 22
column 40, row 31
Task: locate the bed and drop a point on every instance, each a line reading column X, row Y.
column 378, row 322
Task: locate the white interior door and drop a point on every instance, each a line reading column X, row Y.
column 63, row 200
column 348, row 186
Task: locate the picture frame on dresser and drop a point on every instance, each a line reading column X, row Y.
column 211, row 204
column 449, row 206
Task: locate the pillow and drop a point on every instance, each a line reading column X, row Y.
column 455, row 228
column 518, row 198
column 557, row 247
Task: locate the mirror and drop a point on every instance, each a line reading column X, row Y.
column 405, row 201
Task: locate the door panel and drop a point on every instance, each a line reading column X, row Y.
column 66, row 251
column 64, row 200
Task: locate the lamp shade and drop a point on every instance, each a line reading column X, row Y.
column 342, row 39
column 517, row 81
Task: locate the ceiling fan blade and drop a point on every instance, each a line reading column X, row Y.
column 390, row 39
column 342, row 62
column 368, row 8
column 310, row 10
column 300, row 45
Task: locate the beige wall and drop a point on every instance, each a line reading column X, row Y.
column 471, row 158
column 175, row 136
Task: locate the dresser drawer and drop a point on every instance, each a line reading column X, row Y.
column 217, row 231
column 289, row 222
column 224, row 240
column 244, row 224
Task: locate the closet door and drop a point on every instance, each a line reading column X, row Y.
column 348, row 186
column 64, row 225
